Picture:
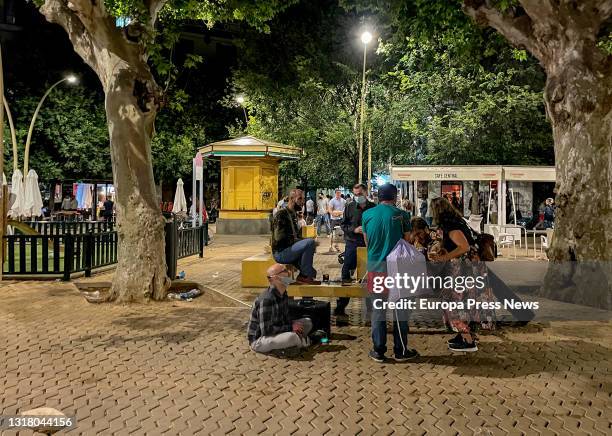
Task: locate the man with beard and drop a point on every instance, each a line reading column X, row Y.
column 288, row 247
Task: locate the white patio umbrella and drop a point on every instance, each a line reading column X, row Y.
column 18, row 193
column 33, row 203
column 180, row 202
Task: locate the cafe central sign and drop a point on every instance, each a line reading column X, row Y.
column 433, row 173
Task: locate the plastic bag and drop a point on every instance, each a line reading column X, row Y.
column 408, row 268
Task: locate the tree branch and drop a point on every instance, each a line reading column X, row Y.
column 57, row 11
column 154, row 6
column 604, row 7
column 516, row 29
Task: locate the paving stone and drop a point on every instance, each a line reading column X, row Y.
column 187, row 369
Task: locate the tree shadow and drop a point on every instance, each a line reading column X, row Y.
column 511, row 359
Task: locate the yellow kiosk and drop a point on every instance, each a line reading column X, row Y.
column 249, row 182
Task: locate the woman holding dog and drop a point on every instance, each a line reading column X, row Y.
column 461, row 260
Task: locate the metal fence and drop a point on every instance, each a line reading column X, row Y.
column 73, row 227
column 61, row 255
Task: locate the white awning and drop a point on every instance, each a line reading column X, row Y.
column 473, row 173
column 441, row 173
column 530, row 174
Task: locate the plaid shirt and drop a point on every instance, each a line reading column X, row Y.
column 269, row 316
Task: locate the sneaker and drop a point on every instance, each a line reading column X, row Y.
column 347, row 282
column 465, row 347
column 408, row 355
column 456, row 340
column 376, row 357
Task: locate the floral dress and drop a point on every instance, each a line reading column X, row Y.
column 468, row 320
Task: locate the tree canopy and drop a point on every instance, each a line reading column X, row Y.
column 461, row 95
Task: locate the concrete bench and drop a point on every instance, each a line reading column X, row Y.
column 254, row 269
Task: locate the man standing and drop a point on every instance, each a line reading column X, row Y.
column 270, row 327
column 323, row 214
column 353, row 236
column 288, row 247
column 383, row 226
column 336, row 209
column 309, row 210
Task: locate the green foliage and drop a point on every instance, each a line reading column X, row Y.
column 70, row 138
column 440, row 91
column 469, row 113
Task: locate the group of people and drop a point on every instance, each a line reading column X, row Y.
column 451, row 247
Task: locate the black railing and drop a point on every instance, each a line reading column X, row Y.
column 61, row 255
column 73, row 227
column 182, row 240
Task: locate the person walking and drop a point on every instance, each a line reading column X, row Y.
column 461, row 261
column 323, row 214
column 383, row 226
column 353, row 237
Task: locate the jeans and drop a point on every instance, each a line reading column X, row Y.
column 323, row 219
column 379, row 328
column 265, row 344
column 350, row 263
column 300, row 253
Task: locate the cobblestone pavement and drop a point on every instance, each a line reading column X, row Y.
column 185, row 368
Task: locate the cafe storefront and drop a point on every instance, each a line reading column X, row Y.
column 478, row 189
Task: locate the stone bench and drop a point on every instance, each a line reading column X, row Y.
column 254, row 269
column 323, row 290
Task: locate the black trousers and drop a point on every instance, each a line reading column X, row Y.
column 350, row 263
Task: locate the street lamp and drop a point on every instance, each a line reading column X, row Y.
column 366, row 38
column 26, row 156
column 240, row 100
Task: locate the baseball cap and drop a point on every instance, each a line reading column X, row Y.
column 387, row 192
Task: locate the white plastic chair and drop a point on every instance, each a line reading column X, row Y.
column 507, row 240
column 515, row 231
column 503, row 239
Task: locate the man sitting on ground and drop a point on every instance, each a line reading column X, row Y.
column 288, row 247
column 270, row 327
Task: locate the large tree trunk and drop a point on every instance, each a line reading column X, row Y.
column 562, row 35
column 579, row 105
column 141, row 268
column 118, row 57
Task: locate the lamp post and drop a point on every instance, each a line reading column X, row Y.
column 26, row 156
column 240, row 100
column 366, row 37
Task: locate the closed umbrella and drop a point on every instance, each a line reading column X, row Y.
column 18, row 194
column 180, row 202
column 33, row 203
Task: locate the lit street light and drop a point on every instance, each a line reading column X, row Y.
column 26, row 157
column 240, row 100
column 366, row 38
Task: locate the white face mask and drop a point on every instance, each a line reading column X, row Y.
column 286, row 280
column 360, row 199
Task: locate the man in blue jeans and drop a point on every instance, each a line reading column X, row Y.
column 383, row 226
column 288, row 247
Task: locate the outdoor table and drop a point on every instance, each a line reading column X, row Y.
column 536, row 232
